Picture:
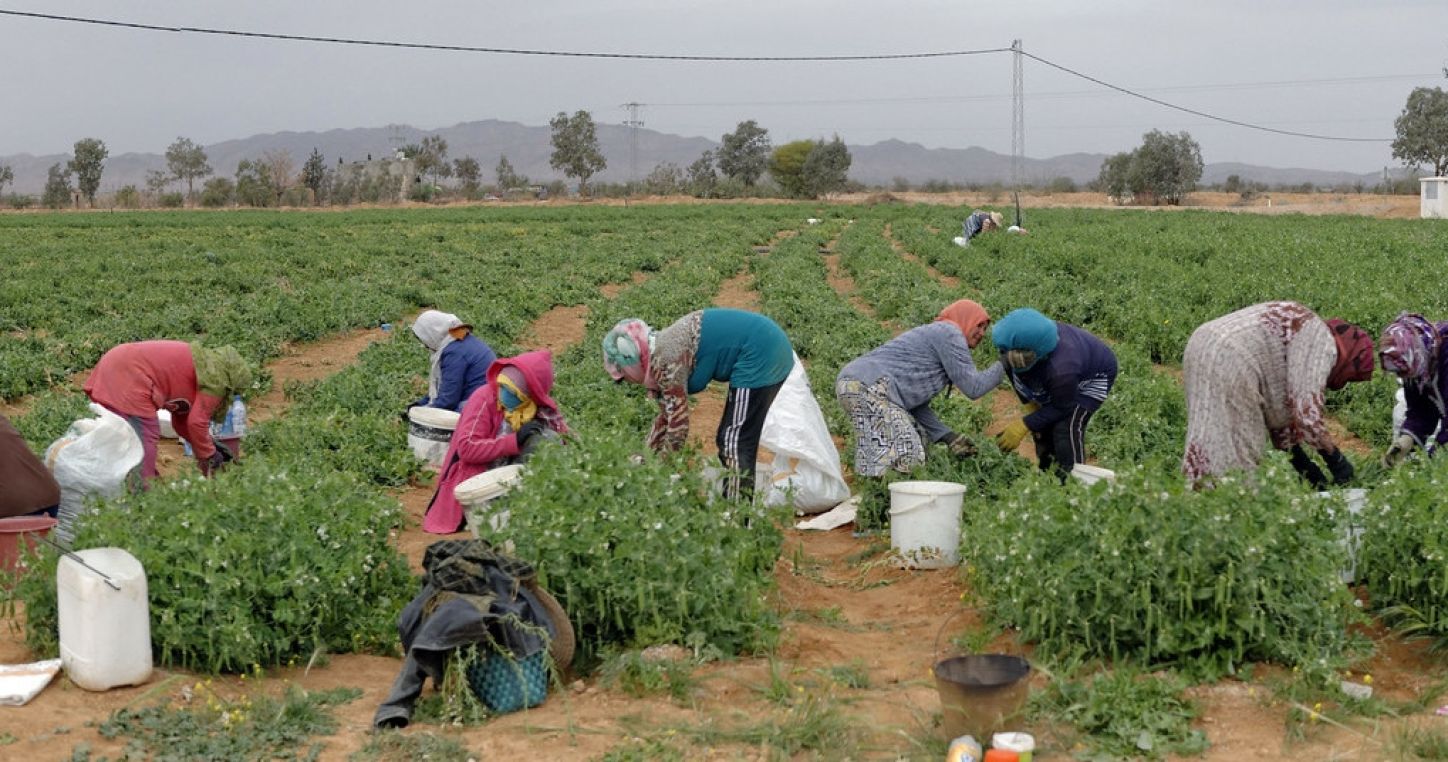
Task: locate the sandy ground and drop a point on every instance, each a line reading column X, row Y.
column 842, row 606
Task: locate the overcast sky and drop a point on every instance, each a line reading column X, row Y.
column 1333, row 67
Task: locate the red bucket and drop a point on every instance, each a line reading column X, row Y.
column 231, row 443
column 15, row 528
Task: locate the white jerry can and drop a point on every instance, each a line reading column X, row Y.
column 105, row 625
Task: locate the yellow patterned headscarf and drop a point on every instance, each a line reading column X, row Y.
column 521, row 413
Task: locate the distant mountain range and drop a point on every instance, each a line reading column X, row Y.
column 528, row 149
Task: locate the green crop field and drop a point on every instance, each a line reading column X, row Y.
column 1142, row 573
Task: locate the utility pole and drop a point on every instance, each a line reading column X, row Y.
column 634, row 122
column 1018, row 116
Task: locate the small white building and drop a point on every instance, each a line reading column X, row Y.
column 1433, row 197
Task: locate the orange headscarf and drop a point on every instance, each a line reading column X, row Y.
column 965, row 314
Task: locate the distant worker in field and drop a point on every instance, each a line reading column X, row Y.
column 501, row 423
column 194, row 384
column 887, row 391
column 979, row 222
column 1416, row 351
column 1258, row 374
column 747, row 350
column 460, row 360
column 26, row 485
column 1061, row 374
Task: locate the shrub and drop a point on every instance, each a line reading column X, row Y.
column 640, row 556
column 1405, row 544
column 1145, row 569
column 172, row 200
column 262, row 565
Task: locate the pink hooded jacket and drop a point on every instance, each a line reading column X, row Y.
column 476, row 444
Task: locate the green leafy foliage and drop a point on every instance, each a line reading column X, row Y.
column 242, row 728
column 1404, row 553
column 638, row 555
column 261, row 565
column 1124, row 714
column 1146, row 570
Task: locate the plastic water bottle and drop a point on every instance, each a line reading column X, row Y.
column 237, row 417
column 234, row 425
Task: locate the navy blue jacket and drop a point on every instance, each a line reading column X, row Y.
column 1078, row 373
column 462, row 369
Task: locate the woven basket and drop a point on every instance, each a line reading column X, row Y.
column 505, row 684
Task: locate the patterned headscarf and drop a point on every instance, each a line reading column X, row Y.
column 1354, row 354
column 220, row 372
column 627, row 344
column 1407, row 347
column 1025, row 336
column 965, row 314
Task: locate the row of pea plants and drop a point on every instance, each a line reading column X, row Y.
column 633, row 543
column 316, row 473
column 1150, row 278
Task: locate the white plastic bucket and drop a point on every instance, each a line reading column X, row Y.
column 1352, row 533
column 105, row 634
column 925, row 523
column 428, row 432
column 476, row 493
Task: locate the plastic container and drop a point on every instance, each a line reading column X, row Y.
column 163, row 419
column 16, row 529
column 981, row 693
column 506, row 685
column 1023, row 744
column 925, row 524
column 476, row 493
column 1002, row 755
column 1092, row 474
column 1352, row 526
column 105, row 634
column 964, row 749
column 232, row 428
column 428, row 432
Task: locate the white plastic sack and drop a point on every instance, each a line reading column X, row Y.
column 805, row 458
column 92, row 458
column 19, row 683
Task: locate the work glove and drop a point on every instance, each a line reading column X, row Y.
column 529, row 430
column 1338, row 465
column 1030, row 407
column 1308, row 470
column 960, row 446
column 1011, row 436
column 1401, row 447
column 217, row 460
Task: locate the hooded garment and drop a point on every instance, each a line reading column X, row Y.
column 1354, row 354
column 1252, row 376
column 1026, row 329
column 513, row 398
column 964, row 314
column 432, row 329
column 1413, row 349
column 220, row 372
column 630, row 342
column 483, row 437
column 135, row 380
column 1408, row 347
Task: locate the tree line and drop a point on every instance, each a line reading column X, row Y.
column 1163, row 169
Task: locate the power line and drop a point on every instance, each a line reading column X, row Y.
column 669, row 57
column 1195, row 112
column 1039, row 95
column 503, row 51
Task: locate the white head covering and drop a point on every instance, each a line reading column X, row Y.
column 432, row 329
